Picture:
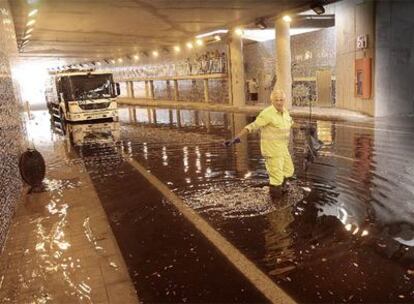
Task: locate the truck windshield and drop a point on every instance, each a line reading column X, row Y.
column 91, row 86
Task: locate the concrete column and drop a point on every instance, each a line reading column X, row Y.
column 171, row 117
column 176, row 95
column 146, row 89
column 151, row 89
column 168, row 88
column 149, row 113
column 154, row 116
column 178, row 119
column 226, row 122
column 207, row 121
column 237, row 94
column 206, row 95
column 132, row 114
column 130, row 89
column 196, row 118
column 283, row 60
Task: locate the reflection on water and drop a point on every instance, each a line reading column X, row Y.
column 99, row 133
column 47, row 265
column 349, row 236
column 47, row 260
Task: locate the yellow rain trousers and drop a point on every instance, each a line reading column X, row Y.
column 274, row 129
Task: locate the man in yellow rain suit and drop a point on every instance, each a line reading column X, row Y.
column 274, row 123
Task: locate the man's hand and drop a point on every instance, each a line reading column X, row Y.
column 231, row 142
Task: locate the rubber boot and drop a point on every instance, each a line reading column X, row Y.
column 276, row 194
column 286, row 183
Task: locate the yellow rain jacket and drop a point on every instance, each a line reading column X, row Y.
column 274, row 142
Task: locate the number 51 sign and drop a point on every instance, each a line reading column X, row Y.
column 362, row 42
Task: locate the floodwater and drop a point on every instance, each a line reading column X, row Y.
column 348, row 237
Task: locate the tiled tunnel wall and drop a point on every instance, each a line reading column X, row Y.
column 10, row 125
column 208, row 60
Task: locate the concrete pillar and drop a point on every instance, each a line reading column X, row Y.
column 178, row 119
column 154, row 116
column 146, row 89
column 168, row 88
column 207, row 121
column 226, row 121
column 237, row 93
column 151, row 89
column 283, row 60
column 176, row 95
column 131, row 115
column 131, row 89
column 149, row 114
column 196, row 118
column 206, row 94
column 171, row 117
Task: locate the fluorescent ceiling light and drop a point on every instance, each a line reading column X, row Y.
column 33, row 12
column 31, row 22
column 269, row 34
column 199, row 42
column 298, row 31
column 222, row 31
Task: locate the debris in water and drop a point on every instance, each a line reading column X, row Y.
column 238, row 200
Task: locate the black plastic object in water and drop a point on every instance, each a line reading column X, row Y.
column 32, row 167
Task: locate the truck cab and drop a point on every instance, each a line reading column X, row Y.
column 83, row 96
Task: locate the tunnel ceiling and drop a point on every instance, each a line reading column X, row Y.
column 75, row 30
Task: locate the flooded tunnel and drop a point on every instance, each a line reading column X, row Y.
column 206, row 152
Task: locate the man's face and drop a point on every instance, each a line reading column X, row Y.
column 278, row 101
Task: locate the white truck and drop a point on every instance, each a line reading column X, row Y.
column 82, row 96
